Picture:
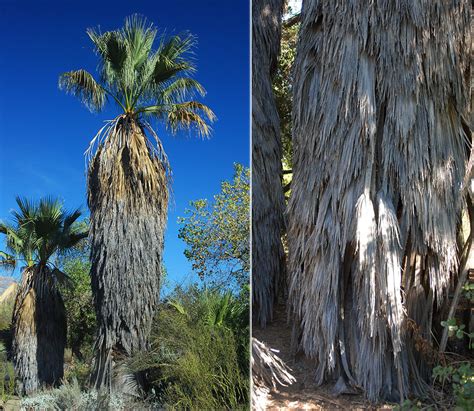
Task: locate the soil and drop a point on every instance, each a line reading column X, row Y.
column 304, row 394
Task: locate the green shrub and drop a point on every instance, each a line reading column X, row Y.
column 459, row 377
column 79, row 305
column 198, row 358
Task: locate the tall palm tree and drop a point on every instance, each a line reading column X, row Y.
column 128, row 175
column 38, row 232
column 267, row 193
column 380, row 93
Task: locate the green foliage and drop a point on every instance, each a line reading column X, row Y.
column 40, row 230
column 142, row 81
column 7, row 375
column 217, row 234
column 199, row 355
column 460, row 377
column 79, row 305
column 282, row 88
column 409, row 405
column 457, row 330
column 468, row 291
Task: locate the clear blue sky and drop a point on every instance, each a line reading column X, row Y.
column 44, row 132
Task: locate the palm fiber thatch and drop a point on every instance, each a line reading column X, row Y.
column 128, row 175
column 39, row 330
column 37, row 232
column 128, row 199
column 381, row 89
column 267, row 192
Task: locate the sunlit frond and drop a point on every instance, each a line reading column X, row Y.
column 41, row 229
column 182, row 88
column 143, row 81
column 113, row 52
column 82, row 84
column 139, row 36
column 7, row 260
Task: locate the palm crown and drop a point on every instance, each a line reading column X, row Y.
column 39, row 230
column 141, row 81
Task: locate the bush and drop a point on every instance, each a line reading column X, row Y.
column 79, row 305
column 198, row 359
column 459, row 379
column 7, row 375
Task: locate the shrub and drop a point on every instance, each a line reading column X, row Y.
column 198, row 359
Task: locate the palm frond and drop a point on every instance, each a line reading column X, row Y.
column 7, row 260
column 113, row 51
column 182, row 88
column 82, row 84
column 184, row 116
column 139, row 36
column 41, row 229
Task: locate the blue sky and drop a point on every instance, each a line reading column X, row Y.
column 44, row 132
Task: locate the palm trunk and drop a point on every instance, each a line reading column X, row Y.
column 127, row 195
column 267, row 192
column 39, row 331
column 379, row 92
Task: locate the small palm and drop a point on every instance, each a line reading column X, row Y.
column 39, row 231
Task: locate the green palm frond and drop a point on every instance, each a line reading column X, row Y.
column 143, row 81
column 7, row 260
column 113, row 52
column 178, row 306
column 82, row 84
column 139, row 37
column 181, row 88
column 41, row 229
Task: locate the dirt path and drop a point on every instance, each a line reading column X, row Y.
column 303, row 394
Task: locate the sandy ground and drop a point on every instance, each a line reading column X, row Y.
column 303, row 394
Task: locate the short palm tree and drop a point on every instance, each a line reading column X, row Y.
column 39, row 231
column 128, row 175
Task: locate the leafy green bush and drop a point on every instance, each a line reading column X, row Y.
column 7, row 375
column 460, row 377
column 198, row 358
column 79, row 304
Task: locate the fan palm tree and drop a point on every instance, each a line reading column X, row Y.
column 128, row 175
column 38, row 232
column 268, row 202
column 380, row 93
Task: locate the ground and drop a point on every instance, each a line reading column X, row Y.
column 304, row 394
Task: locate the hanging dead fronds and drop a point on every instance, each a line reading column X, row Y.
column 39, row 330
column 128, row 199
column 267, row 193
column 380, row 94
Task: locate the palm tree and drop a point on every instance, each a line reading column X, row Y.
column 380, row 93
column 128, row 175
column 39, row 232
column 268, row 262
